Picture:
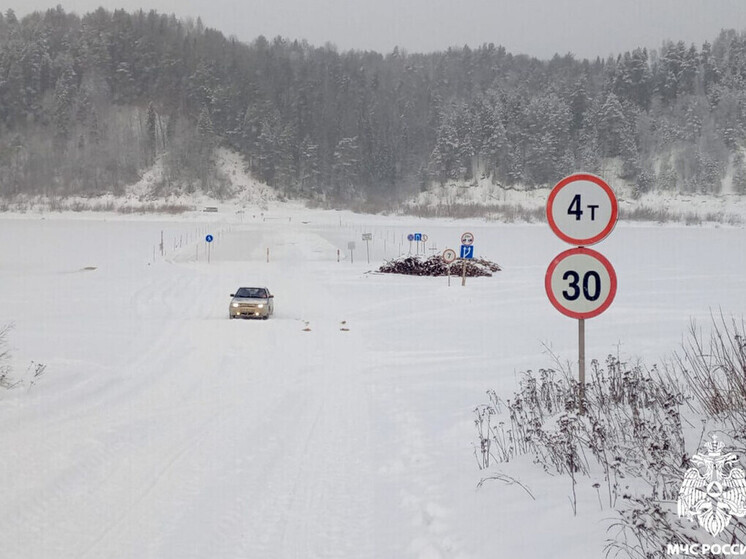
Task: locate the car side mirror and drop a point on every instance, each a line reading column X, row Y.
column 271, row 296
column 233, row 294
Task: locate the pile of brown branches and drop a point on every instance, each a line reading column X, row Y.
column 436, row 266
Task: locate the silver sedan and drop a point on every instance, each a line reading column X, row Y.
column 251, row 302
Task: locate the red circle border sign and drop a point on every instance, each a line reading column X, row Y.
column 609, row 192
column 593, row 254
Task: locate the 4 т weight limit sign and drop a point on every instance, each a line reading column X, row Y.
column 582, row 209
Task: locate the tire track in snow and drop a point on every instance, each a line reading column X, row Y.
column 332, row 516
column 80, row 453
column 149, row 488
column 191, row 458
column 420, row 499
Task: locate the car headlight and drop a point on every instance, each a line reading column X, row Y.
column 260, row 305
column 234, row 305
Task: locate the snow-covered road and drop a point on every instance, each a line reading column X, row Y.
column 341, row 427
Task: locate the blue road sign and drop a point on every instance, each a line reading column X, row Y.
column 418, row 237
column 209, row 238
column 410, row 237
column 467, row 251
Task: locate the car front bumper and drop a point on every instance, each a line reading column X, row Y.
column 248, row 312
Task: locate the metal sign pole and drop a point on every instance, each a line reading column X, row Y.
column 449, row 256
column 581, row 365
column 208, row 253
column 367, row 250
column 463, row 271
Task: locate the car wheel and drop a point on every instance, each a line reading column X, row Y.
column 265, row 317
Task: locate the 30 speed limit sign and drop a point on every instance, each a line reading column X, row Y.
column 580, row 283
column 582, row 209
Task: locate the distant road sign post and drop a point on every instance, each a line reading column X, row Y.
column 209, row 239
column 418, row 237
column 367, row 237
column 581, row 283
column 467, row 251
column 351, row 248
column 449, row 256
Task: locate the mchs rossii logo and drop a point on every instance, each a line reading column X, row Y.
column 713, row 491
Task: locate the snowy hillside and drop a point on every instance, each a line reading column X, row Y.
column 147, row 194
column 453, row 199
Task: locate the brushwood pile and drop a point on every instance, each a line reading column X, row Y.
column 436, row 266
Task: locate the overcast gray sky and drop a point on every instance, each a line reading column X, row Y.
column 586, row 28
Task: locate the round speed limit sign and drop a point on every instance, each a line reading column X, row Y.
column 449, row 255
column 580, row 283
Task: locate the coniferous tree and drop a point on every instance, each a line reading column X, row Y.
column 150, row 139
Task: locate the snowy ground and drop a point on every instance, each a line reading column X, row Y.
column 163, row 430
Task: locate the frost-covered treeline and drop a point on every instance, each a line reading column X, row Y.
column 87, row 103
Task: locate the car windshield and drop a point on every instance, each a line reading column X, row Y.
column 252, row 292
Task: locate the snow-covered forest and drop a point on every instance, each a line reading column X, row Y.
column 88, row 103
